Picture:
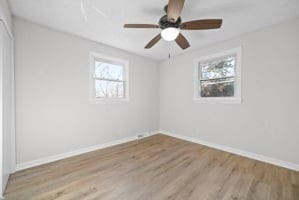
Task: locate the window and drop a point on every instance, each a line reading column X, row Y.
column 218, row 77
column 109, row 79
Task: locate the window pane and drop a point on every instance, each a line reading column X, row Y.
column 108, row 71
column 109, row 89
column 217, row 88
column 219, row 68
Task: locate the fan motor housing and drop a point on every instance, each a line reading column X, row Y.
column 165, row 23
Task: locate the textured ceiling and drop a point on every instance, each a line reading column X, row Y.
column 102, row 20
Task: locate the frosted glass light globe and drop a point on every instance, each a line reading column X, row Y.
column 170, row 34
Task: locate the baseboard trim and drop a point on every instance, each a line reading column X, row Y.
column 49, row 159
column 247, row 154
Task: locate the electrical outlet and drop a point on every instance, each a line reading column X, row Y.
column 140, row 136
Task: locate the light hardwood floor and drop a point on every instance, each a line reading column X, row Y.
column 158, row 168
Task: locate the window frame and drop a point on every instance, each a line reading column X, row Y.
column 237, row 99
column 108, row 59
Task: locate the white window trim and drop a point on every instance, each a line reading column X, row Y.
column 125, row 63
column 237, row 99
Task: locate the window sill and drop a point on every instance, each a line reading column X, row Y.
column 109, row 101
column 218, row 100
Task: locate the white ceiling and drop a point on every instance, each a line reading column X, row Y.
column 102, row 20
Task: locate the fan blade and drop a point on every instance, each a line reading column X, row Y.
column 153, row 41
column 141, row 26
column 201, row 24
column 174, row 9
column 182, row 41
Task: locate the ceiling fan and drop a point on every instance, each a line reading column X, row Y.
column 171, row 24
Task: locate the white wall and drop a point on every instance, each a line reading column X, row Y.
column 267, row 121
column 54, row 114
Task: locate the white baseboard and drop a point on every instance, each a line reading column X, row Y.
column 41, row 161
column 247, row 154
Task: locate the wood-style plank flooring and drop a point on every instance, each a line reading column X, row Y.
column 158, row 168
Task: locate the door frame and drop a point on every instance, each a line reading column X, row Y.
column 13, row 133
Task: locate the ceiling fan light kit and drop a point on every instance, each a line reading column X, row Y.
column 171, row 24
column 170, row 34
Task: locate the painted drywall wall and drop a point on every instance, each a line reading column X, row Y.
column 267, row 121
column 54, row 115
column 53, row 111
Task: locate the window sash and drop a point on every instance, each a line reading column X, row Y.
column 203, row 82
column 215, row 79
column 108, row 97
column 224, row 93
column 112, row 80
column 215, row 60
column 99, row 78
